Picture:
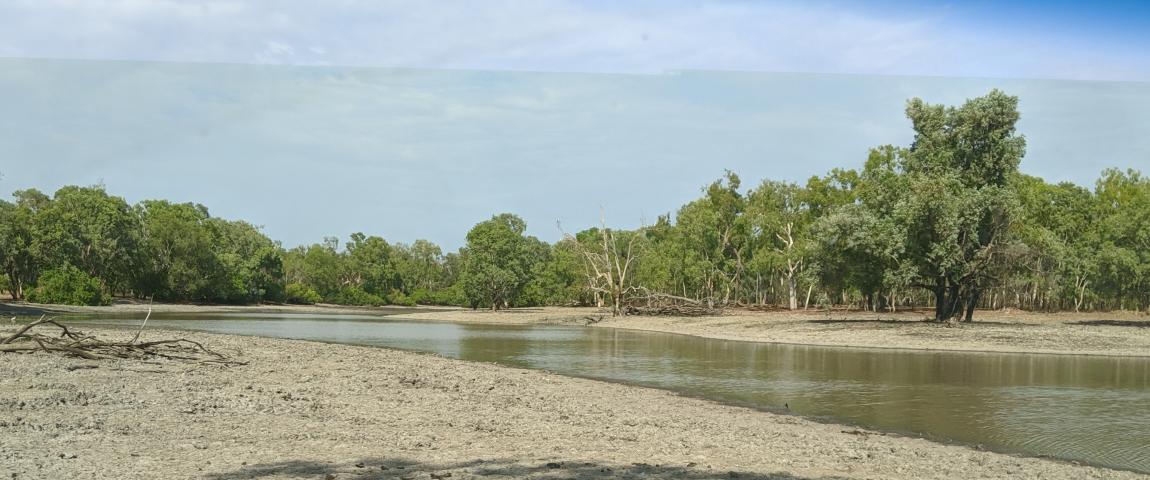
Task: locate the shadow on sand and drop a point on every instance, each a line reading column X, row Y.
column 1116, row 323
column 387, row 468
column 928, row 321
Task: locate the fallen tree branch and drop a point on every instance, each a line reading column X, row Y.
column 75, row 343
column 146, row 317
column 663, row 304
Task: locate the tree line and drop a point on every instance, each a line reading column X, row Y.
column 947, row 223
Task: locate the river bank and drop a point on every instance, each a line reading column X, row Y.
column 1106, row 333
column 135, row 307
column 311, row 410
column 1112, row 333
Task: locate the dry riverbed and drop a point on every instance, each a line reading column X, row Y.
column 311, row 410
column 993, row 331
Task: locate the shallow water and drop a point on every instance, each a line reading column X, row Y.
column 1088, row 408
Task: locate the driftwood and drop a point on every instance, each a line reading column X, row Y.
column 78, row 344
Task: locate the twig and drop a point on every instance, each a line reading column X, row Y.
column 145, row 320
column 22, row 330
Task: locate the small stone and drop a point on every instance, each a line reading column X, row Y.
column 359, row 465
column 554, row 465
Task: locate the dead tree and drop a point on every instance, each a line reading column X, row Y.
column 607, row 266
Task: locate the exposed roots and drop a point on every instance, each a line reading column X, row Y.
column 78, row 344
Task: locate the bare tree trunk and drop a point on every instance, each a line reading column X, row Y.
column 792, row 287
column 1080, row 282
column 807, row 302
column 971, row 302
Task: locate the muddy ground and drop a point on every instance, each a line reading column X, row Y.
column 319, row 411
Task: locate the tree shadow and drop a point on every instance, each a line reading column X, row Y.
column 929, row 321
column 400, row 468
column 1116, row 323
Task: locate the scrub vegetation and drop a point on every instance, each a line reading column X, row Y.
column 947, row 223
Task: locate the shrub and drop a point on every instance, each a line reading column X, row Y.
column 397, row 297
column 301, row 294
column 68, row 286
column 355, row 296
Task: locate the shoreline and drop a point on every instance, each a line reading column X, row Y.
column 1124, row 334
column 1113, row 334
column 349, row 411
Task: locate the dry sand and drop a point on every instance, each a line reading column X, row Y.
column 1121, row 333
column 320, row 411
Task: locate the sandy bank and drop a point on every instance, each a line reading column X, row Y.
column 993, row 331
column 311, row 410
column 1109, row 333
column 133, row 307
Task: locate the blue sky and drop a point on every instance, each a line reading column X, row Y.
column 549, row 109
column 1029, row 39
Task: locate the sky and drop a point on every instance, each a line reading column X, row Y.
column 411, row 119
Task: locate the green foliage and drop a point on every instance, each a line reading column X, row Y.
column 69, row 285
column 299, row 293
column 91, row 230
column 397, row 297
column 946, row 222
column 356, row 296
column 21, row 245
column 498, row 261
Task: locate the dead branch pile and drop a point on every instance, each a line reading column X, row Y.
column 75, row 343
column 674, row 310
column 758, row 307
column 661, row 304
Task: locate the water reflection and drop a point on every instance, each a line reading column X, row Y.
column 1094, row 409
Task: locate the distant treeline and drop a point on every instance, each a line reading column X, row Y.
column 947, row 223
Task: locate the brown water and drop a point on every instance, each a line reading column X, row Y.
column 1092, row 409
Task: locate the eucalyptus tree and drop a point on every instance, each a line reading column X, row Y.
column 779, row 221
column 714, row 232
column 419, row 268
column 368, row 265
column 558, row 278
column 317, row 267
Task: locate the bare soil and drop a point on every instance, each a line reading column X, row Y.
column 319, row 411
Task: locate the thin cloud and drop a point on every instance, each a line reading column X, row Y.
column 557, row 35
